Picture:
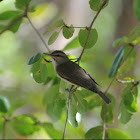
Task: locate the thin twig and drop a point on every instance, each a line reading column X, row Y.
column 74, row 27
column 38, row 34
column 67, row 112
column 110, row 84
column 89, row 29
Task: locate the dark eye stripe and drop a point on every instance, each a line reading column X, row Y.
column 58, row 55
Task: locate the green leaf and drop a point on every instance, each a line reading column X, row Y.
column 81, row 104
column 96, row 4
column 51, row 131
column 120, row 41
column 39, row 71
column 129, row 97
column 55, row 103
column 68, row 32
column 92, row 38
column 115, row 134
column 124, row 116
column 9, row 15
column 95, row 101
column 72, row 113
column 72, row 44
column 25, row 125
column 134, row 34
column 34, row 59
column 116, row 63
column 16, row 26
column 109, row 110
column 21, row 4
column 4, row 104
column 53, row 38
column 130, row 62
column 136, row 7
column 58, row 23
column 94, row 133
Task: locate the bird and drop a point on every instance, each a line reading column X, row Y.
column 72, row 73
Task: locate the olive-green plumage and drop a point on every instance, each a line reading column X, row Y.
column 74, row 74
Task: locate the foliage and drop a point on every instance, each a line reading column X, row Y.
column 55, row 100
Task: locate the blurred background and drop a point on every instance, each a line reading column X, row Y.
column 16, row 82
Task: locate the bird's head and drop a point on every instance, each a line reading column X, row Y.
column 58, row 57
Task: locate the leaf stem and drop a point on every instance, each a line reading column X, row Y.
column 89, row 30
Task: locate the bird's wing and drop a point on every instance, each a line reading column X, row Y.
column 73, row 73
column 92, row 78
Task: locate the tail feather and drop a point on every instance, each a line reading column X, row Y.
column 104, row 97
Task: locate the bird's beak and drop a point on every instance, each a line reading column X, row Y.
column 48, row 54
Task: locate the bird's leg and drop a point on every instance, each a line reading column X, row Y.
column 71, row 90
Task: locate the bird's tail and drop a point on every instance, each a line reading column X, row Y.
column 104, row 97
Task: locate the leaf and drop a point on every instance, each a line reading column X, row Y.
column 109, row 110
column 25, row 125
column 115, row 134
column 16, row 26
column 116, row 63
column 55, row 103
column 68, row 32
column 96, row 4
column 51, row 131
column 4, row 104
column 55, row 25
column 92, row 38
column 94, row 133
column 81, row 104
column 120, row 41
column 134, row 34
column 39, row 71
column 130, row 62
column 95, row 101
column 9, row 15
column 21, row 4
column 124, row 116
column 72, row 113
column 72, row 44
column 129, row 97
column 34, row 59
column 136, row 7
column 53, row 38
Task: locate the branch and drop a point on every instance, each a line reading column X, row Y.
column 89, row 29
column 75, row 27
column 70, row 94
column 104, row 109
column 38, row 34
